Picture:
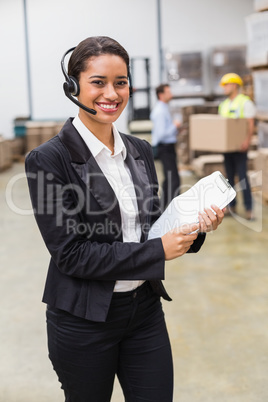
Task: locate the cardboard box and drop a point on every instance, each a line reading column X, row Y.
column 38, row 132
column 17, row 147
column 215, row 133
column 48, row 131
column 5, row 154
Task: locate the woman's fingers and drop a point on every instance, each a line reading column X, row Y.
column 178, row 241
column 219, row 212
column 210, row 219
column 188, row 228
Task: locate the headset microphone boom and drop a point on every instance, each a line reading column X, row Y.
column 71, row 86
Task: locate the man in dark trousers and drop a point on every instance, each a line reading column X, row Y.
column 164, row 136
column 235, row 106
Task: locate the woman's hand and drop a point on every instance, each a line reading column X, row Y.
column 177, row 242
column 209, row 220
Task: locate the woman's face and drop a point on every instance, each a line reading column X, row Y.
column 104, row 87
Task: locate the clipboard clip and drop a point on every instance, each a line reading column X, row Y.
column 222, row 183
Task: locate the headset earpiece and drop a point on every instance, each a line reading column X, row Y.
column 73, row 84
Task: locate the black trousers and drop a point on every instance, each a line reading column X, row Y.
column 236, row 164
column 171, row 183
column 133, row 344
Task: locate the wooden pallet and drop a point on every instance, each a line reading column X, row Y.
column 5, row 167
column 18, row 158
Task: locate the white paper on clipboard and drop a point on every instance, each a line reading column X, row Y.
column 213, row 189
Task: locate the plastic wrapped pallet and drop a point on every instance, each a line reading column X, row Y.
column 257, row 43
column 20, row 126
column 261, row 165
column 252, row 155
column 207, row 164
column 186, row 73
column 262, row 134
column 229, row 58
column 260, row 5
column 255, row 180
column 260, row 79
column 208, row 107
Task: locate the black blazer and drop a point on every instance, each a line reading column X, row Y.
column 79, row 218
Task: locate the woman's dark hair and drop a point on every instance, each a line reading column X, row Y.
column 92, row 47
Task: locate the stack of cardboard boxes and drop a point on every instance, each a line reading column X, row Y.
column 5, row 154
column 18, row 149
column 11, row 151
column 184, row 151
column 257, row 60
column 38, row 132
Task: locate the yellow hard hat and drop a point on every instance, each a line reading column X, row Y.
column 231, row 78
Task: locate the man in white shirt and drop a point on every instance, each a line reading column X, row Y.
column 164, row 136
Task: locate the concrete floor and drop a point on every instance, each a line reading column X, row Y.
column 217, row 321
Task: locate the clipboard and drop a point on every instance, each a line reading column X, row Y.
column 213, row 189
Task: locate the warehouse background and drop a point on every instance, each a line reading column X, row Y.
column 219, row 316
column 56, row 25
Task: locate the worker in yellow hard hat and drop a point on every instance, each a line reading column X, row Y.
column 238, row 105
column 231, row 78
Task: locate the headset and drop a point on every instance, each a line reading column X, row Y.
column 71, row 86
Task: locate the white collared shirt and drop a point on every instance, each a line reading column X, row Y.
column 119, row 177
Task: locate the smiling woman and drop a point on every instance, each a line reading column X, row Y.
column 95, row 196
column 100, row 68
column 104, row 88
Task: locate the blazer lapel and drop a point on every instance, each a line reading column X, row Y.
column 141, row 182
column 89, row 171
